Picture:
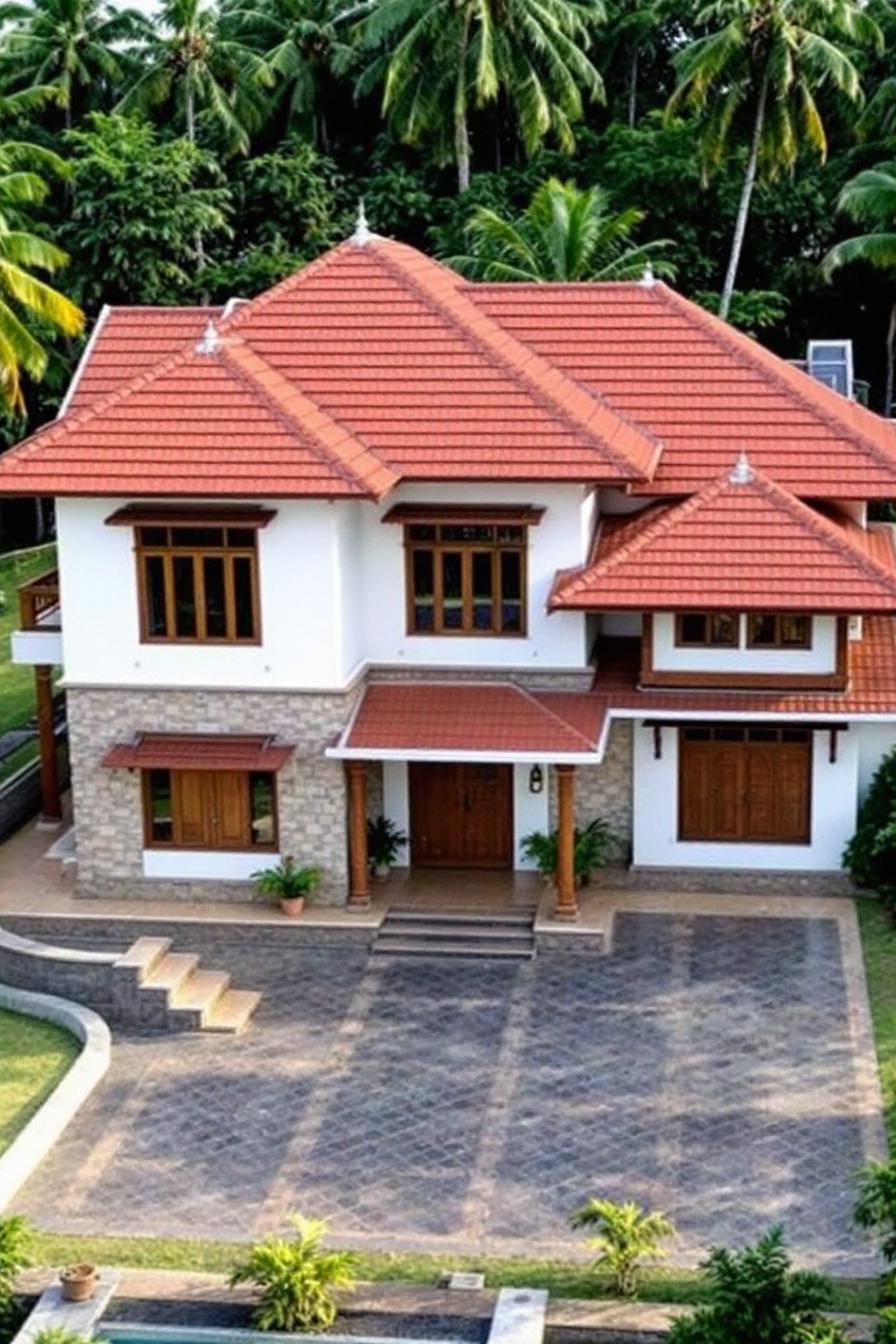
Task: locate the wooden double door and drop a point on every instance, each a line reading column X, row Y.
column 747, row 784
column 461, row 815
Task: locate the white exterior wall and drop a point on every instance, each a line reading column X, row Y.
column 821, row 657
column 530, row 810
column 875, row 740
column 655, row 826
column 206, row 864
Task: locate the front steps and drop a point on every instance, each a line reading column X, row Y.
column 417, row 933
column 174, row 994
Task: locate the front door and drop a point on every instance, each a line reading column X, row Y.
column 461, row 815
column 746, row 784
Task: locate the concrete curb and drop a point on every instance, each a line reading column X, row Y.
column 31, row 1146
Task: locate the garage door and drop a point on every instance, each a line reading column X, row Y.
column 745, row 784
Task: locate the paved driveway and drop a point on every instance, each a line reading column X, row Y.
column 712, row 1066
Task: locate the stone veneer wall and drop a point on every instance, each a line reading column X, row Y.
column 606, row 790
column 311, row 789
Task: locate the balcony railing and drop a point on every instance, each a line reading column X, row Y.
column 39, row 603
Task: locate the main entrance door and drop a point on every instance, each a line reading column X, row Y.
column 461, row 815
column 747, row 784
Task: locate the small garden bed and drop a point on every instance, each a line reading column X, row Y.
column 36, row 1056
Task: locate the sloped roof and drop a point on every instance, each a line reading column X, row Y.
column 738, row 543
column 703, row 388
column 130, row 341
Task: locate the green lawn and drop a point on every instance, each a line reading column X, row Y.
column 35, row 1057
column 562, row 1278
column 17, row 683
column 879, row 947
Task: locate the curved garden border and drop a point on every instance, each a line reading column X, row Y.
column 35, row 1140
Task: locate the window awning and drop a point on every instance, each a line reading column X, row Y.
column 495, row 515
column 160, row 515
column 198, row 751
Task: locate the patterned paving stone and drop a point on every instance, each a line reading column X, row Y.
column 706, row 1068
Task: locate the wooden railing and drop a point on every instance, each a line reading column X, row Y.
column 39, row 603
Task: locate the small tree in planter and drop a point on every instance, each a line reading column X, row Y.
column 384, row 840
column 289, row 884
column 297, row 1278
column 592, row 843
column 625, row 1237
column 870, row 856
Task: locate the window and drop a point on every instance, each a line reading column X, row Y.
column 198, row 584
column 715, row 629
column 466, row 579
column 209, row 809
column 778, row 632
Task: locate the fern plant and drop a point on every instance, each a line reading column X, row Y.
column 287, row 880
column 626, row 1237
column 590, row 849
column 297, row 1278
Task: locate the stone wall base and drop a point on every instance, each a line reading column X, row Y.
column 726, row 881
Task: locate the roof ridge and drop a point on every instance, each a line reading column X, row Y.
column 545, row 398
column 284, row 286
column 546, row 709
column 766, row 364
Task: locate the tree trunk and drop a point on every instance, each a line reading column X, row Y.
column 746, row 195
column 40, row 520
column 633, row 90
column 190, row 112
column 891, row 358
column 461, row 130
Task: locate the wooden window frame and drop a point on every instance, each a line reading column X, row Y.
column 682, row 643
column 467, row 549
column 168, row 552
column 150, row 842
column 778, row 617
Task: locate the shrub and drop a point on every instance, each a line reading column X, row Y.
column 885, row 1330
column 287, row 880
column 755, row 1298
column 626, row 1236
column 384, row 840
column 14, row 1237
column 870, row 856
column 296, row 1278
column 57, row 1334
column 591, row 845
column 876, row 1205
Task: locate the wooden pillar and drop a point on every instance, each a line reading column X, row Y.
column 359, row 877
column 50, row 806
column 566, row 906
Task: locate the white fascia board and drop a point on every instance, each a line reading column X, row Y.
column 486, row 757
column 755, row 715
column 82, row 362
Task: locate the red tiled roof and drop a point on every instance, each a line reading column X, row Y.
column 871, row 689
column 130, row 341
column 198, row 751
column 706, row 390
column 492, row 717
column 750, row 546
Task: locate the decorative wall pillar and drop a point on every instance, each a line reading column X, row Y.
column 50, row 805
column 566, row 906
column 359, row 876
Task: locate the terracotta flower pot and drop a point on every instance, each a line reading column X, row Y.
column 78, row 1282
column 292, row 905
column 381, row 872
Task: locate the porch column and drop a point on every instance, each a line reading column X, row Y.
column 50, row 806
column 359, row 881
column 566, row 906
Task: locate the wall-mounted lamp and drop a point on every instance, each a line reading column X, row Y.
column 536, row 779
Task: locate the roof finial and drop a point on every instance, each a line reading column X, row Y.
column 362, row 234
column 648, row 279
column 742, row 472
column 210, row 341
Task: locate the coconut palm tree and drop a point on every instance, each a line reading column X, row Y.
column 563, row 234
column 23, row 297
column 870, row 198
column 760, row 68
column 439, row 59
column 191, row 63
column 635, row 31
column 78, row 47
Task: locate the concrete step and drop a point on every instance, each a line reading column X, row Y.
column 232, row 1011
column 170, row 971
column 522, row 919
column 394, row 945
column 144, row 954
column 461, row 929
column 194, row 999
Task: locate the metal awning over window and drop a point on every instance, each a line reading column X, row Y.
column 199, row 751
column 173, row 515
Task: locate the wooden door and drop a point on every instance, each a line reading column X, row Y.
column 745, row 784
column 461, row 815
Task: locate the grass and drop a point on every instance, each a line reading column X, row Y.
column 879, row 949
column 35, row 1056
column 562, row 1278
column 17, row 682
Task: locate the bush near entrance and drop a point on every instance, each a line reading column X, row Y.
column 870, row 856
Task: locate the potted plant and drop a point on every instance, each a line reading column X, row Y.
column 78, row 1282
column 384, row 840
column 590, row 852
column 288, row 883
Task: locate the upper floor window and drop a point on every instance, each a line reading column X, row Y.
column 198, row 584
column 466, row 578
column 779, row 632
column 707, row 629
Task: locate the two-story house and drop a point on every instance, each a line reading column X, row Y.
column 485, row 558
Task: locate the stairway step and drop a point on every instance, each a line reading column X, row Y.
column 200, row 990
column 232, row 1011
column 396, row 946
column 144, row 954
column 470, row 932
column 523, row 920
column 170, row 971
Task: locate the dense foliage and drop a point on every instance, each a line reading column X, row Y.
column 14, row 1239
column 871, row 854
